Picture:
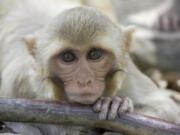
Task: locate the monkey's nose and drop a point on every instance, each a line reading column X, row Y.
column 84, row 83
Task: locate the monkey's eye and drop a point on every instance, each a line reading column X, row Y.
column 95, row 54
column 68, row 56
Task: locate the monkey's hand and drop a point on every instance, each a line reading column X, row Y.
column 109, row 108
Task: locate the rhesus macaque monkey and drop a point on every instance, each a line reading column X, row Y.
column 76, row 55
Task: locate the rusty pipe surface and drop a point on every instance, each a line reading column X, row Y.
column 38, row 111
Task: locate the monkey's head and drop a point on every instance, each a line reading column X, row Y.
column 83, row 53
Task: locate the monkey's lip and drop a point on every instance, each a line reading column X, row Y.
column 83, row 98
column 83, row 94
column 86, row 102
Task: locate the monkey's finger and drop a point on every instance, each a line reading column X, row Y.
column 130, row 106
column 114, row 108
column 105, row 108
column 98, row 105
column 126, row 106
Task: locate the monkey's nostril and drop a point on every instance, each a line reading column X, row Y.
column 89, row 82
column 80, row 83
column 84, row 83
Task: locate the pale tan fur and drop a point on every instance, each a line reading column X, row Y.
column 24, row 73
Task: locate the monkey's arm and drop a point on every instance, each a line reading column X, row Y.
column 147, row 98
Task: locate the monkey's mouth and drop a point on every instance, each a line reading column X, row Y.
column 83, row 98
column 83, row 94
column 86, row 102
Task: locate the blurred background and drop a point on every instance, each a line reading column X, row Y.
column 156, row 44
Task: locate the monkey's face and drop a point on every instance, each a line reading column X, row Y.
column 78, row 49
column 83, row 72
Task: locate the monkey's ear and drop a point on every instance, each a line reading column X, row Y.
column 30, row 41
column 128, row 36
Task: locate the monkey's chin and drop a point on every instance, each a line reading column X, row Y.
column 87, row 101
